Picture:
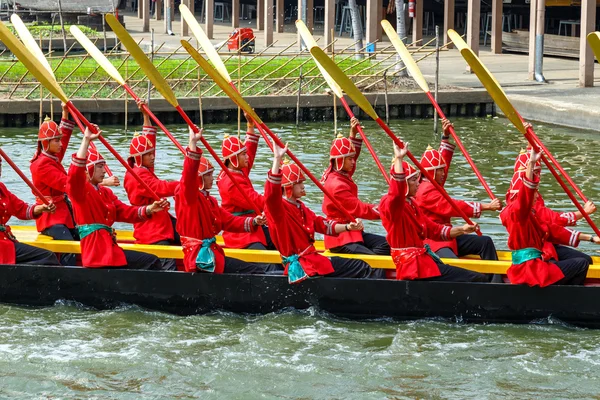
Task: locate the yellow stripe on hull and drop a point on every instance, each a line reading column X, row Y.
column 29, row 235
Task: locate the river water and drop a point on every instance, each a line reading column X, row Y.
column 68, row 351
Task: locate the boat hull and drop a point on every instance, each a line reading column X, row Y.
column 186, row 294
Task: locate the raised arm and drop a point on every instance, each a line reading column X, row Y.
column 189, row 176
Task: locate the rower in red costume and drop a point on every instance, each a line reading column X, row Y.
column 413, row 258
column 337, row 179
column 239, row 159
column 293, row 227
column 553, row 250
column 438, row 209
column 160, row 229
column 50, row 177
column 97, row 208
column 11, row 251
column 200, row 219
column 527, row 234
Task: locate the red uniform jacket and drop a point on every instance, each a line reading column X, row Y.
column 159, row 227
column 10, row 205
column 240, row 204
column 552, row 217
column 50, row 177
column 98, row 205
column 406, row 239
column 435, row 206
column 293, row 226
column 345, row 190
column 199, row 216
column 526, row 229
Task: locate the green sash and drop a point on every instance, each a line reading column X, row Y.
column 85, row 230
column 8, row 232
column 295, row 271
column 241, row 213
column 524, row 255
column 205, row 260
column 432, row 254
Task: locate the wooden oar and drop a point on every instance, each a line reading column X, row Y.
column 594, row 41
column 496, row 92
column 310, row 42
column 359, row 98
column 212, row 54
column 25, row 179
column 238, row 99
column 40, row 73
column 165, row 90
column 114, row 73
column 36, row 51
column 416, row 74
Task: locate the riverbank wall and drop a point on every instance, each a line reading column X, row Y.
column 413, row 105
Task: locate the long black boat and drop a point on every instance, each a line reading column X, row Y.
column 198, row 293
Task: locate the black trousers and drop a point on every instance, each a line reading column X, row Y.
column 372, row 244
column 455, row 274
column 61, row 232
column 26, row 254
column 139, row 260
column 353, row 268
column 482, row 246
column 575, row 270
column 236, row 266
column 566, row 253
column 168, row 264
column 270, row 268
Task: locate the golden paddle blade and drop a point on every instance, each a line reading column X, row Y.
column 30, row 42
column 31, row 62
column 97, row 54
column 489, row 82
column 143, row 61
column 410, row 63
column 310, row 42
column 594, row 41
column 204, row 41
column 343, row 81
column 220, row 81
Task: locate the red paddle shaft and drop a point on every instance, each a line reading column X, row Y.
column 372, row 151
column 92, row 145
column 216, row 157
column 35, row 190
column 336, row 203
column 367, row 142
column 155, row 119
column 555, row 162
column 92, row 128
column 262, row 132
column 462, row 147
column 425, row 173
column 554, row 173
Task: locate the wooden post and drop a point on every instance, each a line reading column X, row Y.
column 158, row 9
column 496, row 27
column 145, row 15
column 268, row 22
column 448, row 20
column 140, row 8
column 210, row 17
column 235, row 13
column 586, row 56
column 184, row 25
column 382, row 16
column 310, row 14
column 329, row 24
column 532, row 26
column 417, row 32
column 280, row 15
column 372, row 20
column 260, row 16
column 473, row 16
column 169, row 11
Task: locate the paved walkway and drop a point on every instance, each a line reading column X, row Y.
column 560, row 101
